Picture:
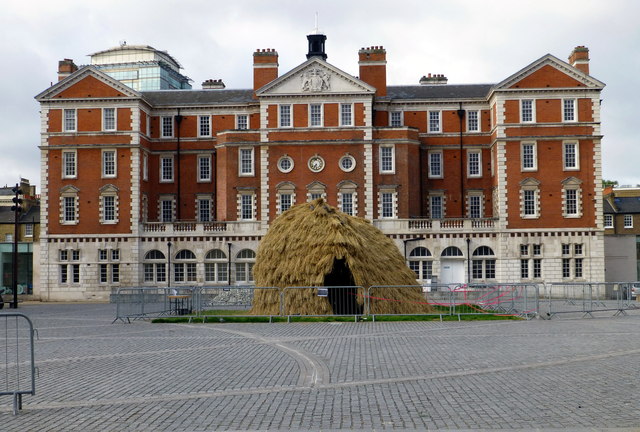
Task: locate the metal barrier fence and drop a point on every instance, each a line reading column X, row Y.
column 468, row 299
column 17, row 376
column 524, row 300
column 588, row 298
column 146, row 302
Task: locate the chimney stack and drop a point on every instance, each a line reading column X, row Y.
column 212, row 84
column 579, row 58
column 373, row 68
column 65, row 68
column 436, row 79
column 265, row 67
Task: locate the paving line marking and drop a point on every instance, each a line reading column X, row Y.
column 278, row 389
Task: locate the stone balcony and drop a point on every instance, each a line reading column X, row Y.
column 437, row 226
column 217, row 228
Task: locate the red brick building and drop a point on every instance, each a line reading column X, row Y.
column 475, row 182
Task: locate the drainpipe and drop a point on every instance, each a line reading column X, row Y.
column 178, row 121
column 461, row 118
column 468, row 260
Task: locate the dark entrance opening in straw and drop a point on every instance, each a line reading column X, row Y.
column 344, row 298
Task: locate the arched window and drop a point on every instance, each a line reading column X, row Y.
column 215, row 267
column 483, row 264
column 421, row 262
column 245, row 259
column 155, row 268
column 184, row 267
column 452, row 251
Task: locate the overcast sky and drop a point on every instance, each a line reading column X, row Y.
column 469, row 41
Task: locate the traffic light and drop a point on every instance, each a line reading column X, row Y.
column 17, row 201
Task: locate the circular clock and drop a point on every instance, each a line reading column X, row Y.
column 316, row 163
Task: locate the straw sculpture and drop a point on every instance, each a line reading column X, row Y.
column 303, row 245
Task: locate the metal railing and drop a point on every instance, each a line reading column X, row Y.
column 17, row 376
column 518, row 299
column 589, row 297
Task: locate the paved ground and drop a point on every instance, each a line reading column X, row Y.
column 558, row 374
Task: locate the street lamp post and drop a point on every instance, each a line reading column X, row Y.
column 169, row 264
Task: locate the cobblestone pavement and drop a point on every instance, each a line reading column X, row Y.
column 513, row 375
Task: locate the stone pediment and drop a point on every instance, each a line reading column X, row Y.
column 87, row 82
column 549, row 68
column 315, row 77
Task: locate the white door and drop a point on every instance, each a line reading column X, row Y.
column 451, row 272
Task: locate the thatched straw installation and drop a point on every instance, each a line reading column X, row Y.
column 313, row 244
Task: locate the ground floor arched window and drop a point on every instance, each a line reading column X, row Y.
column 184, row 267
column 421, row 262
column 215, row 267
column 155, row 267
column 245, row 260
column 483, row 264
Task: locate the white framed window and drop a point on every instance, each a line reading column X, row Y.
column 483, row 264
column 435, row 165
column 28, row 230
column 571, row 202
column 346, row 114
column 166, row 127
column 571, row 155
column 166, row 169
column 284, row 116
column 387, row 159
column 316, row 190
column 108, row 209
column 148, row 124
column 166, row 209
column 204, row 168
column 184, row 267
column 204, row 209
column 109, row 168
column 473, row 121
column 109, row 119
column 628, row 221
column 247, row 206
column 527, row 111
column 474, row 163
column 155, row 267
column 529, row 203
column 145, row 166
column 388, row 204
column 245, row 259
column 69, row 214
column 346, row 203
column 347, row 163
column 242, row 121
column 569, row 110
column 435, row 122
column 395, row 118
column 285, row 197
column 8, row 238
column 315, row 115
column 529, row 198
column 69, row 164
column 347, row 197
column 69, row 122
column 475, row 206
column 245, row 162
column 436, row 206
column 215, row 267
column 285, row 164
column 204, row 126
column 421, row 262
column 608, row 221
column 285, row 201
column 529, row 156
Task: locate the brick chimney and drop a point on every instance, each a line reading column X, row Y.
column 373, row 68
column 436, row 79
column 265, row 67
column 212, row 84
column 579, row 58
column 65, row 68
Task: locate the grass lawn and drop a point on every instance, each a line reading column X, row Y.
column 441, row 313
